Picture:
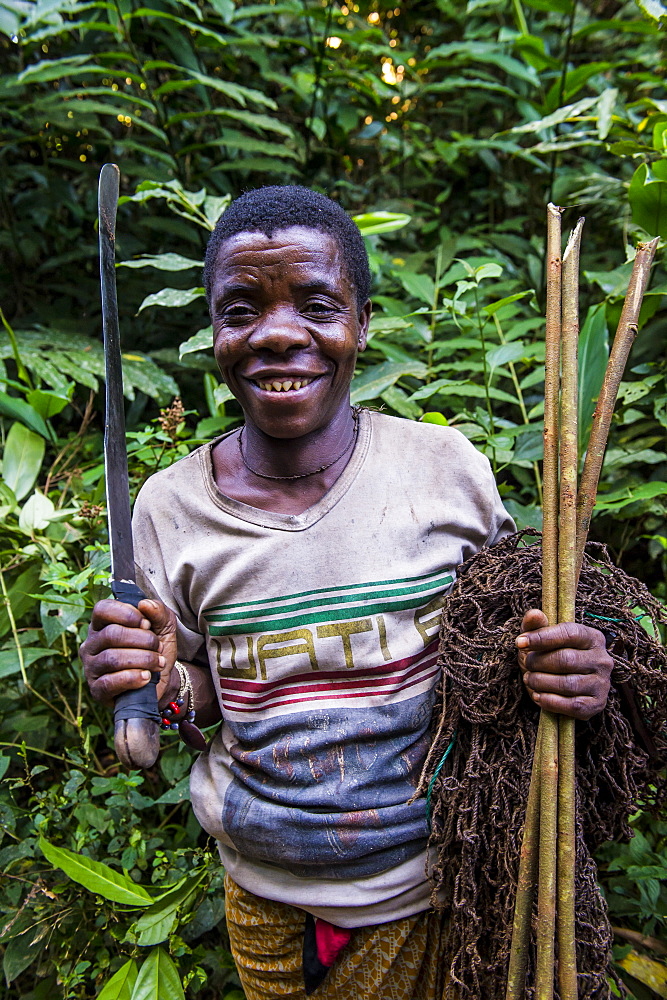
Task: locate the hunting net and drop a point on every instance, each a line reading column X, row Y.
column 478, row 770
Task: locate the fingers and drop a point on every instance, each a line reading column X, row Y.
column 566, row 667
column 567, row 634
column 110, row 612
column 108, row 686
column 117, row 636
column 580, row 696
column 125, row 645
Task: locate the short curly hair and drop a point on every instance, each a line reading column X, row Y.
column 268, row 209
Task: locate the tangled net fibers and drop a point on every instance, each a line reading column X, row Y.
column 477, row 797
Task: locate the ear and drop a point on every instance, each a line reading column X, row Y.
column 364, row 320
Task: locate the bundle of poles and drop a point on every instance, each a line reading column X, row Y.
column 548, row 853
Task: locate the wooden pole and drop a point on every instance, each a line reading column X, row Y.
column 604, row 410
column 548, row 733
column 567, row 587
column 525, row 889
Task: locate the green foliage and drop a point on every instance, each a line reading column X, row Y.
column 444, row 128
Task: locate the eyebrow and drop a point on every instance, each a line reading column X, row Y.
column 321, row 285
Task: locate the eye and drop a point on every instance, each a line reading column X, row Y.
column 235, row 312
column 320, row 307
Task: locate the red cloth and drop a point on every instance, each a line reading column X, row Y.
column 330, row 941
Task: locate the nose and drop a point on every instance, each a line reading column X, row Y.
column 278, row 331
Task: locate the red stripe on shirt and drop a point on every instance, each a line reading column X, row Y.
column 317, row 692
column 329, row 675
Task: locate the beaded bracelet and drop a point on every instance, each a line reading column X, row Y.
column 174, row 717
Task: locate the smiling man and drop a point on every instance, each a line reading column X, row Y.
column 299, row 566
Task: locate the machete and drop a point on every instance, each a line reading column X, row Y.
column 136, row 716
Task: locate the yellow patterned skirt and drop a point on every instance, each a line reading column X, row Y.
column 400, row 960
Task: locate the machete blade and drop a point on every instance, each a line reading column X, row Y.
column 136, row 715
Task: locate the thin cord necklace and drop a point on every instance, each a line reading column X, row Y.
column 301, row 475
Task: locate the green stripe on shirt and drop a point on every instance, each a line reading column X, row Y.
column 376, row 585
column 340, row 614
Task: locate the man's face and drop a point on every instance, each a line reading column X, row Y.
column 286, row 328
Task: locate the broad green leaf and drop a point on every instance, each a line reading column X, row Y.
column 621, row 498
column 259, row 122
column 36, row 513
column 158, row 979
column 121, row 984
column 248, row 144
column 375, row 379
column 21, row 951
column 178, row 793
column 20, row 596
column 172, row 298
column 485, row 52
column 55, row 69
column 58, row 613
column 504, row 354
column 200, row 341
column 450, row 387
column 593, row 356
column 488, row 271
column 613, row 283
column 7, row 500
column 606, row 111
column 421, row 286
column 163, row 262
column 648, row 198
column 387, row 324
column 18, row 409
column 398, row 400
column 47, row 404
column 222, row 394
column 381, row 222
column 232, row 91
column 565, row 114
column 157, row 922
column 214, row 207
column 22, row 459
column 493, row 307
column 95, row 876
column 147, row 377
column 90, row 815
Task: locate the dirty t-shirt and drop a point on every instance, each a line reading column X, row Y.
column 321, row 633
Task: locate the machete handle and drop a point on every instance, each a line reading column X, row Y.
column 136, row 713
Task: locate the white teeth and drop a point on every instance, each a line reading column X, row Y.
column 284, row 386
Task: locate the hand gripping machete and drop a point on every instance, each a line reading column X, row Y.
column 136, row 715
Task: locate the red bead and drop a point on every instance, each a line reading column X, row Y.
column 166, row 722
column 174, row 707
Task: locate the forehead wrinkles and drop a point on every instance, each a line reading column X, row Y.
column 256, row 257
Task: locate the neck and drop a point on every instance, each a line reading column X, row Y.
column 302, row 456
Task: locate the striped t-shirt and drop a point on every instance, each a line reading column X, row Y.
column 321, row 633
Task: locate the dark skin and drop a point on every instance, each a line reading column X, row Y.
column 287, row 329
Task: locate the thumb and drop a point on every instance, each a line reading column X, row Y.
column 533, row 620
column 162, row 618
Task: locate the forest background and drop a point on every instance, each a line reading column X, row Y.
column 445, row 128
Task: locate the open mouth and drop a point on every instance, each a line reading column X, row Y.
column 282, row 385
